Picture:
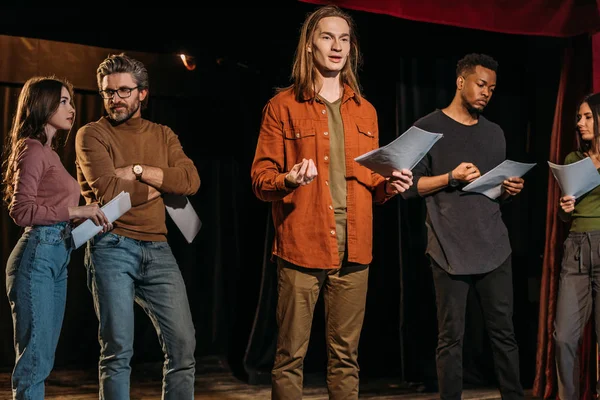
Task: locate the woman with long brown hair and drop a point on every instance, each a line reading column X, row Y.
column 580, row 270
column 42, row 197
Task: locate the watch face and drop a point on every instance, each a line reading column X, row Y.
column 137, row 169
column 454, row 183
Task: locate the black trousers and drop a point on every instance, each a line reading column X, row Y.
column 495, row 294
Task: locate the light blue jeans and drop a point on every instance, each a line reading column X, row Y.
column 36, row 285
column 122, row 271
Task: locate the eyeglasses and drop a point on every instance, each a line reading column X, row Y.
column 123, row 92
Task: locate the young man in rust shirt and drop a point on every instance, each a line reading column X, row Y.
column 321, row 201
column 134, row 263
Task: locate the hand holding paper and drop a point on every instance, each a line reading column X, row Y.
column 399, row 182
column 490, row 183
column 567, row 203
column 113, row 210
column 513, row 185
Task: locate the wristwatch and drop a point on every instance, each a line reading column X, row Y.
column 451, row 181
column 137, row 171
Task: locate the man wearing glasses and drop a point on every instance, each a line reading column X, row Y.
column 133, row 263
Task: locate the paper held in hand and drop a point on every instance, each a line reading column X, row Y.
column 404, row 152
column 179, row 208
column 490, row 183
column 576, row 179
column 113, row 210
column 183, row 214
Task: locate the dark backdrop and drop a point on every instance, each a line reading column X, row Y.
column 408, row 72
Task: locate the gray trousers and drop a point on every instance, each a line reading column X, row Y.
column 578, row 286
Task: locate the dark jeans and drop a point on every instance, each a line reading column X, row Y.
column 494, row 290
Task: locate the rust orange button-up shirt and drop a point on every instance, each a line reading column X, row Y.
column 304, row 217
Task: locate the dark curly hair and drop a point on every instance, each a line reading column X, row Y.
column 468, row 63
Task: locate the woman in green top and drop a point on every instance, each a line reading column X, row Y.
column 580, row 271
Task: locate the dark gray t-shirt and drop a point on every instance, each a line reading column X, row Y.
column 466, row 234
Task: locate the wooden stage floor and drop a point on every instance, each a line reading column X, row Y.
column 214, row 381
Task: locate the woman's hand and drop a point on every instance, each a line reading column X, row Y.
column 93, row 212
column 567, row 203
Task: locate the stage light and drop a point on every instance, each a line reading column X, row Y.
column 188, row 62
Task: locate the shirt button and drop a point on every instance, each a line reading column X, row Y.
column 369, row 133
column 325, row 133
column 326, row 158
column 297, row 135
column 327, row 183
column 330, row 207
column 332, row 232
column 323, row 111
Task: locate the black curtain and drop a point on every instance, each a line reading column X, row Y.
column 219, row 266
column 523, row 106
column 218, row 128
column 408, row 71
column 406, row 77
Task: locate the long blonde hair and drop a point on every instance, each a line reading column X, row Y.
column 38, row 101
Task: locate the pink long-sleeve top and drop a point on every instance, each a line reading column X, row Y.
column 44, row 189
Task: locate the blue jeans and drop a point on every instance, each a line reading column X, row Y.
column 123, row 270
column 36, row 285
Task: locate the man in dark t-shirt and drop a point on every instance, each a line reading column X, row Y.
column 468, row 243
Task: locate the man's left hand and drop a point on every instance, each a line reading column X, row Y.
column 125, row 173
column 513, row 185
column 399, row 182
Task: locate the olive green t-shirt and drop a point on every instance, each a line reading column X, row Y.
column 337, row 171
column 586, row 216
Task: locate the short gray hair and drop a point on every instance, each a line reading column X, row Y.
column 121, row 63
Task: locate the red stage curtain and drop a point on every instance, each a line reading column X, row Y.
column 575, row 82
column 560, row 18
column 596, row 61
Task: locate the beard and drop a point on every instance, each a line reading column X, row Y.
column 471, row 109
column 122, row 116
column 475, row 111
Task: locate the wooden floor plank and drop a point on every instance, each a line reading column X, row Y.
column 215, row 382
